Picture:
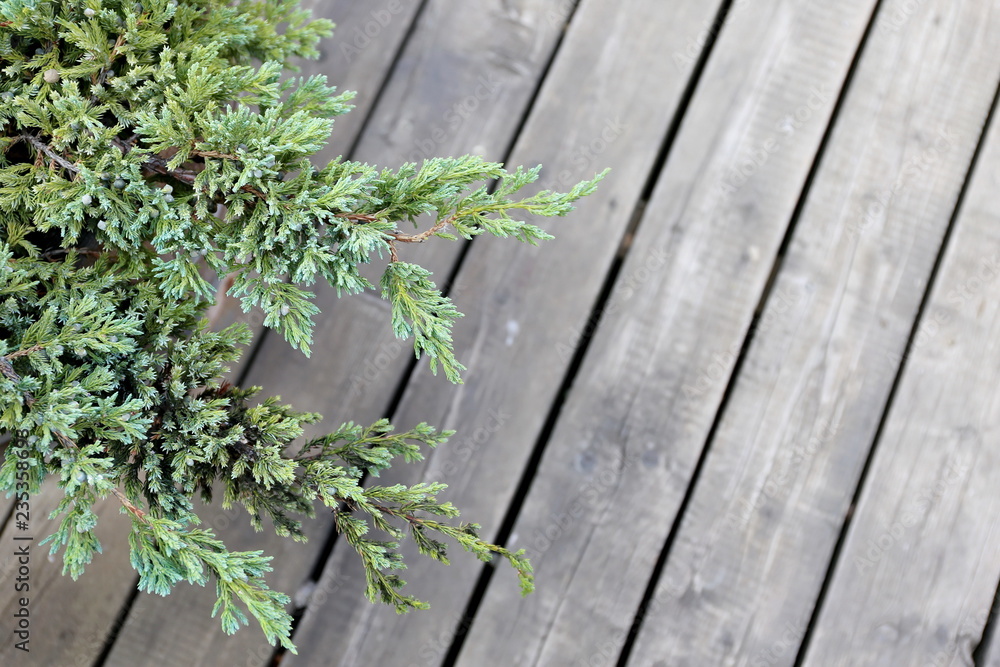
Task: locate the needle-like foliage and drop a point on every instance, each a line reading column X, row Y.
column 150, row 152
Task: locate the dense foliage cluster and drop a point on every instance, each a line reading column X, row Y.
column 147, row 150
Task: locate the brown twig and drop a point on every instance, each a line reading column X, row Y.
column 26, row 351
column 44, row 148
column 127, row 504
column 90, row 252
column 217, row 154
column 102, row 77
column 424, row 235
column 157, row 164
column 358, row 217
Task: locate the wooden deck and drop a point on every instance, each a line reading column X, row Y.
column 743, row 411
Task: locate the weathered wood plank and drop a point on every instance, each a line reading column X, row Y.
column 621, row 457
column 6, row 503
column 68, row 621
column 751, row 554
column 359, row 57
column 613, row 76
column 920, row 565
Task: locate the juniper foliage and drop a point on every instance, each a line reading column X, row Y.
column 145, row 147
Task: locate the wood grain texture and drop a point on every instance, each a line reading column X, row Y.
column 920, row 564
column 630, row 434
column 751, row 554
column 525, row 308
column 6, row 505
column 69, row 621
column 358, row 57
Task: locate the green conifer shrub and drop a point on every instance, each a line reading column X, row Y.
column 142, row 143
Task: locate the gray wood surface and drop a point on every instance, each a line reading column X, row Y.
column 633, row 427
column 921, row 560
column 751, row 554
column 69, row 621
column 525, row 308
column 919, row 568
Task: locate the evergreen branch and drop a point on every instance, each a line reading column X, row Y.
column 136, row 119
